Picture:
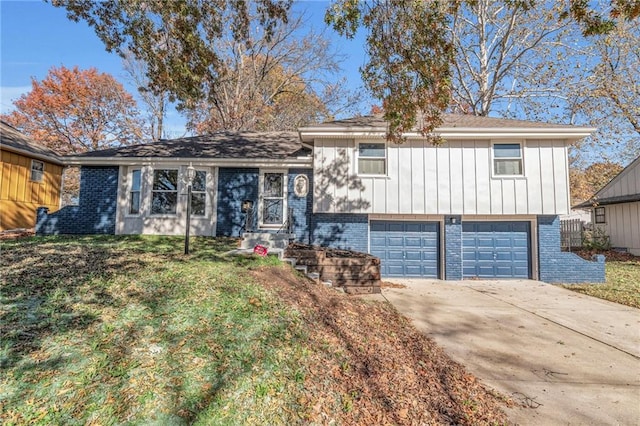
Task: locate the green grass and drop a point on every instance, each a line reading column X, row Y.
column 622, row 283
column 109, row 330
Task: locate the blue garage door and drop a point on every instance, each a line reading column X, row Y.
column 496, row 249
column 405, row 249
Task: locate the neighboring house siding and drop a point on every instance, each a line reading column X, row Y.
column 556, row 266
column 20, row 196
column 454, row 178
column 623, row 226
column 96, row 213
column 626, row 183
column 234, row 186
column 171, row 224
column 344, row 231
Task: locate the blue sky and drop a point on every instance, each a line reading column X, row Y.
column 35, row 36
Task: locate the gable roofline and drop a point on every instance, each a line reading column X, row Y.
column 11, row 139
column 596, row 200
column 454, row 126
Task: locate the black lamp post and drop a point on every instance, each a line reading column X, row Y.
column 190, row 175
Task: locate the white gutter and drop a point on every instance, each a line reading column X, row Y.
column 310, row 133
column 196, row 161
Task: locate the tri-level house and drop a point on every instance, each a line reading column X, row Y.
column 484, row 203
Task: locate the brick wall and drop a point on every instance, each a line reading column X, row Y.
column 302, row 206
column 96, row 212
column 234, row 186
column 341, row 230
column 453, row 248
column 557, row 266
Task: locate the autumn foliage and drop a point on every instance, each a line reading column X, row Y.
column 73, row 110
column 586, row 182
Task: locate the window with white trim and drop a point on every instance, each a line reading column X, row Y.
column 372, row 158
column 273, row 198
column 199, row 194
column 507, row 159
column 134, row 191
column 164, row 198
column 601, row 215
column 37, row 170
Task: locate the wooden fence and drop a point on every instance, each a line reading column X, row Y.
column 571, row 233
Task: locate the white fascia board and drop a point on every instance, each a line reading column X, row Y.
column 573, row 133
column 207, row 162
column 30, row 154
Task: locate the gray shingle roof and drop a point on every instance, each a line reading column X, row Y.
column 12, row 139
column 227, row 145
column 449, row 121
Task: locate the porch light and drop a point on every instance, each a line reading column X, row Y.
column 190, row 175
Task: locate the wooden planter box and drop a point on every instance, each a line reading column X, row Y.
column 357, row 274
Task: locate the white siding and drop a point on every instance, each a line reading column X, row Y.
column 626, row 183
column 623, row 225
column 454, row 178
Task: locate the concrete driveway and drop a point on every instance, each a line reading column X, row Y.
column 568, row 358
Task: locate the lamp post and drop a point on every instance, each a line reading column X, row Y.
column 190, row 175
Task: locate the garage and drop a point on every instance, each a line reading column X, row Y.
column 496, row 250
column 405, row 249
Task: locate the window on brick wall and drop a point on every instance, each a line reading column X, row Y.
column 164, row 197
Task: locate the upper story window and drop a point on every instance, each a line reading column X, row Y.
column 199, row 194
column 134, row 191
column 37, row 170
column 273, row 198
column 372, row 159
column 165, row 192
column 507, row 159
column 601, row 215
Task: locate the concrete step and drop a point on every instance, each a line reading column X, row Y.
column 269, row 240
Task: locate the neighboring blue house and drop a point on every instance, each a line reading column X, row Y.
column 485, row 203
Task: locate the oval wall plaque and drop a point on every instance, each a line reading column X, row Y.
column 301, row 186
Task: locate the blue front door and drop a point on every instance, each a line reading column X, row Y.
column 405, row 249
column 496, row 249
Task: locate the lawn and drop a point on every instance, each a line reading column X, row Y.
column 622, row 281
column 109, row 330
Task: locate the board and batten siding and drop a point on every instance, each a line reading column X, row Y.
column 623, row 226
column 628, row 183
column 20, row 196
column 453, row 178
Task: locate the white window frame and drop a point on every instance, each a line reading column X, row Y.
column 494, row 158
column 385, row 158
column 177, row 191
column 596, row 215
column 36, row 175
column 130, row 190
column 261, row 198
column 205, row 192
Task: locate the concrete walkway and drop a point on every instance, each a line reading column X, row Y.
column 569, row 358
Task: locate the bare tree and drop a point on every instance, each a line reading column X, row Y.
column 156, row 103
column 502, row 51
column 274, row 81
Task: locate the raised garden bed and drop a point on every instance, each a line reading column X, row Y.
column 356, row 272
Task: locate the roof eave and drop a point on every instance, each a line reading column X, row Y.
column 26, row 153
column 573, row 133
column 196, row 161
